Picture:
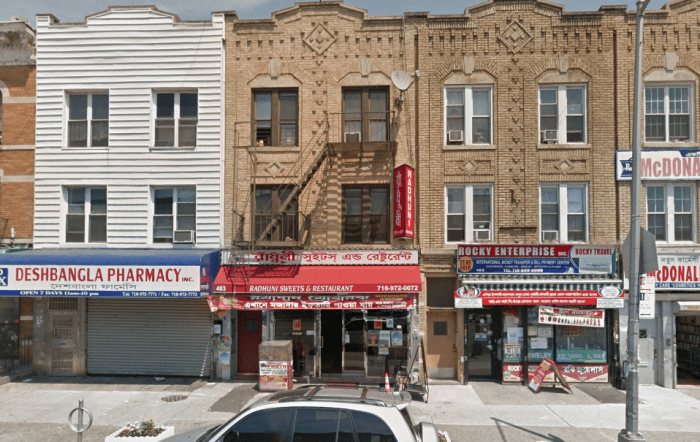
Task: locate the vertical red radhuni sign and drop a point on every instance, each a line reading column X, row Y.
column 404, row 191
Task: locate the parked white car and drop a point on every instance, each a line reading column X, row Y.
column 320, row 414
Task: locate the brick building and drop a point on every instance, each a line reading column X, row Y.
column 315, row 129
column 17, row 117
column 669, row 325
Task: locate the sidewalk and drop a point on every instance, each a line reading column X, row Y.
column 494, row 412
column 36, row 409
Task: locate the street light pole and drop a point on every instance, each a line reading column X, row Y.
column 631, row 431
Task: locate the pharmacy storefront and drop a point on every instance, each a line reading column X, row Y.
column 348, row 313
column 524, row 303
column 104, row 312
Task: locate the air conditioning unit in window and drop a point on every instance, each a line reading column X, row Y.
column 183, row 237
column 550, row 236
column 549, row 136
column 482, row 235
column 353, row 137
column 455, row 136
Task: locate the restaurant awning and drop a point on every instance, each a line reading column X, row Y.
column 310, row 280
column 108, row 273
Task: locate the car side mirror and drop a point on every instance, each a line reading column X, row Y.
column 428, row 432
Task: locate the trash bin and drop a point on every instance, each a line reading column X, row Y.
column 276, row 365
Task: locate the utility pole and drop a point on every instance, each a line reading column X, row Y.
column 631, row 431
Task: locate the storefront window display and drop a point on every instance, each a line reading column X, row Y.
column 561, row 343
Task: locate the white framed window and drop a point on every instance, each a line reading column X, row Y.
column 176, row 119
column 562, row 114
column 174, row 215
column 668, row 113
column 468, row 115
column 86, row 214
column 671, row 210
column 564, row 212
column 468, row 213
column 88, row 120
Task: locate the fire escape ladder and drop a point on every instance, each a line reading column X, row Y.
column 295, row 191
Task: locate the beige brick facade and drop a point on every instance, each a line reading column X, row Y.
column 513, row 48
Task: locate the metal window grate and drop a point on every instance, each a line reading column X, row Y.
column 56, row 303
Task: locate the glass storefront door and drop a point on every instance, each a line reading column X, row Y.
column 480, row 344
column 355, row 343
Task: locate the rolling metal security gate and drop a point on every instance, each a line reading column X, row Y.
column 149, row 337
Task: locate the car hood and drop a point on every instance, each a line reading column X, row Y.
column 190, row 435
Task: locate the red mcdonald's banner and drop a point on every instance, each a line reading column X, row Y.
column 404, row 194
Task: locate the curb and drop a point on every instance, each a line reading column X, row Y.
column 15, row 376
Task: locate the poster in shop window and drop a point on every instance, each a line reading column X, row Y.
column 575, row 317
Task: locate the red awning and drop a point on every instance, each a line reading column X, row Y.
column 288, row 280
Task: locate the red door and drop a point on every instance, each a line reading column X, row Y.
column 249, row 337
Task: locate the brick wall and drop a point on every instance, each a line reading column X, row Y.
column 17, row 152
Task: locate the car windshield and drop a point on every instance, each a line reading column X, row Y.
column 209, row 432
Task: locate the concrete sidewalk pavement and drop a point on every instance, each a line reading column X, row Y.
column 37, row 409
column 495, row 412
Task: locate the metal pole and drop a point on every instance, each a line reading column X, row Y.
column 631, row 431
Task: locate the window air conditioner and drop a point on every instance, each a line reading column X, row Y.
column 482, row 235
column 183, row 236
column 549, row 136
column 455, row 135
column 352, row 137
column 550, row 236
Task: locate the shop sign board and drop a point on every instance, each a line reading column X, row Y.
column 275, row 375
column 677, row 272
column 312, row 302
column 660, row 164
column 536, row 259
column 546, row 366
column 471, row 297
column 647, row 297
column 138, row 281
column 570, row 372
column 322, row 257
column 574, row 317
column 404, row 194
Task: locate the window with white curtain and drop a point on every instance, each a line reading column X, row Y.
column 562, row 114
column 88, row 120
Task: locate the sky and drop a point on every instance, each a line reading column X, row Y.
column 76, row 10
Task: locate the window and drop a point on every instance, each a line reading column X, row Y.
column 366, row 214
column 370, row 428
column 268, row 202
column 264, row 426
column 276, row 118
column 365, row 115
column 563, row 114
column 176, row 119
column 320, row 425
column 88, row 120
column 174, row 215
column 469, row 213
column 671, row 212
column 86, row 217
column 468, row 115
column 563, row 213
column 667, row 113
